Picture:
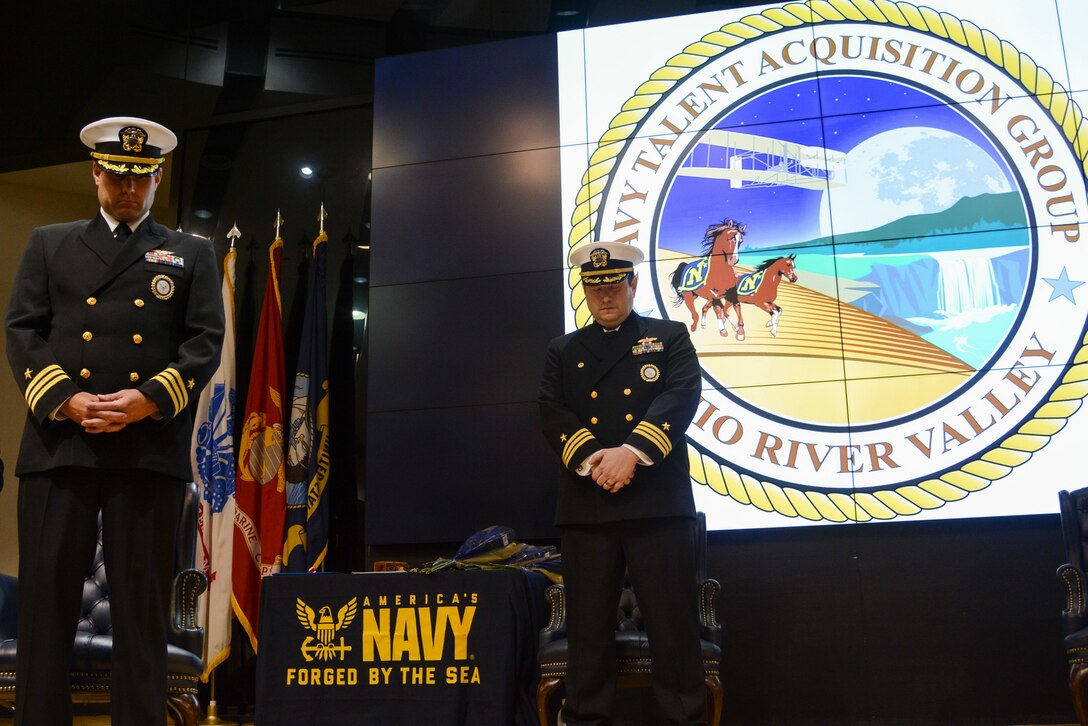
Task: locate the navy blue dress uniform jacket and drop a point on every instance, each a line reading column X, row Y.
column 89, row 313
column 639, row 385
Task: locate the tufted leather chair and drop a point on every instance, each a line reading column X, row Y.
column 92, row 652
column 1074, row 511
column 632, row 650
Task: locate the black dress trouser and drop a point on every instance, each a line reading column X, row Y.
column 659, row 555
column 58, row 530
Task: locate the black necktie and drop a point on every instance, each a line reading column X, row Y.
column 122, row 232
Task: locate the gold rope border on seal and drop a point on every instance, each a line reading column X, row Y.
column 894, row 501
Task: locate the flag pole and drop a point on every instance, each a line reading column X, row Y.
column 212, row 718
column 213, row 710
column 321, row 231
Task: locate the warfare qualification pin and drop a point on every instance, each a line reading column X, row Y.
column 162, row 287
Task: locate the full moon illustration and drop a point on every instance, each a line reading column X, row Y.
column 912, row 170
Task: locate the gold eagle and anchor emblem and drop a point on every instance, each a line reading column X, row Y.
column 133, row 138
column 325, row 629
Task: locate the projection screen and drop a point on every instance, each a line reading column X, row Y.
column 901, row 335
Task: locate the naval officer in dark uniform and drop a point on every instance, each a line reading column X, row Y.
column 113, row 329
column 616, row 399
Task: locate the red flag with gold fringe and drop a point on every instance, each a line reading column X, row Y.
column 260, row 495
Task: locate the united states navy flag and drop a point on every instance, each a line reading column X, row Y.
column 307, row 528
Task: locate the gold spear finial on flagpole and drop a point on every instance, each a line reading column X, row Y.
column 233, row 234
column 279, row 221
column 321, row 218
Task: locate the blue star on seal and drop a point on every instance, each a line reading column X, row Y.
column 1062, row 286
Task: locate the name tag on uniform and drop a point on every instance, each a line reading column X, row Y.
column 647, row 345
column 164, row 257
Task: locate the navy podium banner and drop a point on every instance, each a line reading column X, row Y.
column 455, row 648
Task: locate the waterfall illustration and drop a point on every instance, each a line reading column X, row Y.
column 966, row 281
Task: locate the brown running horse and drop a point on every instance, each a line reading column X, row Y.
column 711, row 277
column 760, row 288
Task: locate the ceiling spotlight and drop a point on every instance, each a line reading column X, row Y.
column 305, row 172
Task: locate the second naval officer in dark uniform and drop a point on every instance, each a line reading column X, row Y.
column 616, row 399
column 114, row 327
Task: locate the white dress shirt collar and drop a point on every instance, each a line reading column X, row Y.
column 113, row 222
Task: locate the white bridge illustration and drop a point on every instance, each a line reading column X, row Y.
column 758, row 161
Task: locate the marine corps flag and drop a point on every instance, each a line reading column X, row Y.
column 261, row 503
column 306, row 539
column 213, row 471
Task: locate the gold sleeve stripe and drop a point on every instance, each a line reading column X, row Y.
column 579, row 438
column 40, row 385
column 180, row 393
column 655, row 435
column 175, row 387
column 575, row 442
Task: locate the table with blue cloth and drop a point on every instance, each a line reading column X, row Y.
column 453, row 648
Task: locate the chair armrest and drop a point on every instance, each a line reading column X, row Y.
column 1073, row 617
column 556, row 629
column 708, row 611
column 184, row 630
column 9, row 599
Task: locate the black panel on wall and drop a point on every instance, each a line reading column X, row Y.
column 473, row 101
column 477, row 217
column 473, row 467
column 466, row 214
column 454, row 431
column 953, row 622
column 468, row 342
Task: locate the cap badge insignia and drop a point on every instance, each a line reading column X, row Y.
column 133, row 138
column 162, row 287
column 599, row 257
column 647, row 345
